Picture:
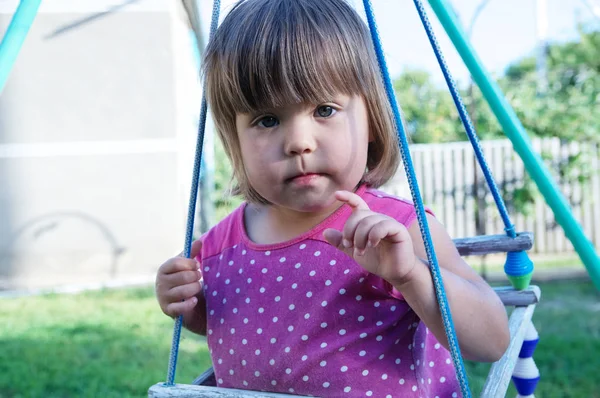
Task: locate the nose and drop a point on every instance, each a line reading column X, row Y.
column 299, row 138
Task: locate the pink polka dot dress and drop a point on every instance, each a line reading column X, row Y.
column 301, row 317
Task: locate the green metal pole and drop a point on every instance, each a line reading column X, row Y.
column 516, row 133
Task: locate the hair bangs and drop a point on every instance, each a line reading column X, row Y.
column 294, row 53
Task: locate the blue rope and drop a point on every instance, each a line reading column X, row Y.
column 193, row 199
column 466, row 121
column 15, row 36
column 420, row 209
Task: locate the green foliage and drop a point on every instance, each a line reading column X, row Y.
column 116, row 343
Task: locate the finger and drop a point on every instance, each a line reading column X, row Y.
column 183, row 292
column 390, row 230
column 196, row 249
column 181, row 278
column 179, row 264
column 363, row 228
column 181, row 307
column 334, row 237
column 351, row 225
column 352, row 199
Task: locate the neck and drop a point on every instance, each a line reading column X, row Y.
column 267, row 224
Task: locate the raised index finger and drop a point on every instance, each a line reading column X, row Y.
column 352, row 199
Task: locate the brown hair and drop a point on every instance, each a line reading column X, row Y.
column 271, row 53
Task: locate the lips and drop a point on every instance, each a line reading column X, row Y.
column 303, row 177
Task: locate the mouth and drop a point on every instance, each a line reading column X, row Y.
column 303, row 178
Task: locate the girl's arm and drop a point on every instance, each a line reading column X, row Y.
column 479, row 316
column 195, row 320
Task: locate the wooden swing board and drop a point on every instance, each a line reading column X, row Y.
column 160, row 390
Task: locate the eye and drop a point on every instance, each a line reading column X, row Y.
column 325, row 111
column 268, row 122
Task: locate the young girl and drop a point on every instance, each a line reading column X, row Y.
column 316, row 285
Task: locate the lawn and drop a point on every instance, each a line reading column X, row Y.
column 116, row 343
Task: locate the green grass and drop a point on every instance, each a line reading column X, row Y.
column 116, row 344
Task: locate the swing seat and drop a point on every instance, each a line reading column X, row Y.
column 498, row 380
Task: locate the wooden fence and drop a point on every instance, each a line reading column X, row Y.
column 453, row 186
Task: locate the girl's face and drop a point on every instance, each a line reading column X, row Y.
column 297, row 156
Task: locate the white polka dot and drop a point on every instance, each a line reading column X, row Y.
column 295, row 285
column 346, row 272
column 273, row 382
column 220, row 381
column 369, row 393
column 214, row 293
column 384, row 376
column 442, row 379
column 287, row 349
column 267, row 253
column 244, row 362
column 361, row 280
column 304, row 357
column 231, row 372
column 323, row 364
column 279, row 278
column 227, row 281
column 232, row 331
column 418, row 362
column 249, row 280
column 282, row 260
column 342, row 311
column 414, row 388
column 235, row 310
column 261, row 310
column 429, row 381
column 317, row 253
column 231, row 352
column 358, row 298
column 342, row 332
column 454, row 395
column 341, row 349
column 224, row 300
column 271, row 362
column 410, row 346
column 212, row 312
column 422, row 381
column 379, row 338
column 306, row 316
column 273, row 340
column 302, row 246
column 237, row 290
column 365, row 372
column 324, row 304
column 437, row 346
column 312, row 273
column 363, row 335
column 309, row 294
column 291, row 390
column 332, row 262
column 305, row 378
column 401, row 381
column 422, row 345
column 398, row 361
column 259, row 331
column 388, row 396
column 257, row 352
column 327, row 283
column 291, row 307
column 298, row 265
column 275, row 319
column 326, row 384
column 288, row 371
column 222, row 321
column 245, row 383
column 347, row 389
column 379, row 323
column 220, row 361
column 448, row 361
column 342, row 291
column 412, row 367
column 324, row 325
column 257, row 373
column 277, row 299
column 290, row 328
column 361, row 318
column 344, row 368
column 323, row 345
column 262, row 290
column 362, row 353
column 304, row 337
column 381, row 356
column 377, row 304
column 231, row 262
column 244, row 252
column 206, row 269
column 252, row 261
column 431, row 364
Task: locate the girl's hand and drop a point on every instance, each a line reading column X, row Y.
column 177, row 283
column 380, row 244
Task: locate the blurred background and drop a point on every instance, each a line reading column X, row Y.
column 98, row 124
